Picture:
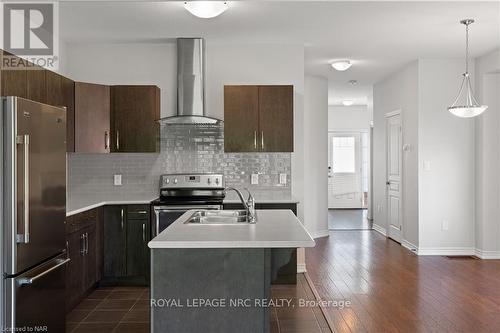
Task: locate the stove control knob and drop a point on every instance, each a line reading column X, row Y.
column 209, row 180
column 217, row 181
column 167, row 181
column 175, row 180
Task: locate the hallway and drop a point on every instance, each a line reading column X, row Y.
column 348, row 219
column 393, row 290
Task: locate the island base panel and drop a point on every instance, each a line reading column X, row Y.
column 185, row 276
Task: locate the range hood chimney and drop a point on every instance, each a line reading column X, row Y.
column 190, row 84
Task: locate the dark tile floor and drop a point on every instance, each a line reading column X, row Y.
column 348, row 219
column 126, row 309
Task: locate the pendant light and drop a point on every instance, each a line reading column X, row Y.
column 471, row 108
column 206, row 9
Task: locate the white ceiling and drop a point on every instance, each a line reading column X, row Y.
column 379, row 37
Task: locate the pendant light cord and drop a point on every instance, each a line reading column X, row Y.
column 467, row 48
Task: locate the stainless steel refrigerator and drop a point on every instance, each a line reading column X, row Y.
column 33, row 210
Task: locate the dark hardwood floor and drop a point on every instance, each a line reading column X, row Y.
column 126, row 309
column 394, row 290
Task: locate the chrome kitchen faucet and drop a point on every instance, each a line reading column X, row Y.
column 249, row 204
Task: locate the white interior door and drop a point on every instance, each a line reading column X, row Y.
column 394, row 151
column 344, row 174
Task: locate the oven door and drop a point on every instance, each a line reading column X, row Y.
column 166, row 215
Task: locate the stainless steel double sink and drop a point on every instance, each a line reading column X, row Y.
column 217, row 217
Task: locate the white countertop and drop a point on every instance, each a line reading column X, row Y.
column 274, row 229
column 79, row 205
column 82, row 207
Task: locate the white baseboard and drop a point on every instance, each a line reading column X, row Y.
column 320, row 233
column 379, row 229
column 446, row 251
column 410, row 246
column 487, row 254
column 301, row 268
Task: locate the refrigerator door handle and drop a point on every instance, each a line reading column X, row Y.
column 25, row 140
column 30, row 280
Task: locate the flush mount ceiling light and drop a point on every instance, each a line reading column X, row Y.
column 352, row 82
column 206, row 9
column 471, row 108
column 347, row 102
column 341, row 65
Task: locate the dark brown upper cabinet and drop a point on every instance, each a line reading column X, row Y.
column 60, row 91
column 258, row 118
column 43, row 86
column 134, row 126
column 26, row 80
column 92, row 118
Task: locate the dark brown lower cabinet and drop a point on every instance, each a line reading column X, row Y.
column 126, row 251
column 82, row 242
column 114, row 242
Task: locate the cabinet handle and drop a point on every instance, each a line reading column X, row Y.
column 117, row 140
column 143, row 232
column 262, row 140
column 82, row 245
column 86, row 243
column 142, row 212
column 106, row 140
column 67, row 250
column 121, row 214
column 255, row 140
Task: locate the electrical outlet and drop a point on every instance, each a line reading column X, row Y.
column 254, row 180
column 117, row 180
column 445, row 225
column 283, row 178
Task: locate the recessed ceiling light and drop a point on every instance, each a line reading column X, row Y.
column 347, row 102
column 352, row 82
column 341, row 65
column 206, row 9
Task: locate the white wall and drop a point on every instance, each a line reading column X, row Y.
column 316, row 156
column 354, row 117
column 126, row 64
column 487, row 157
column 444, row 189
column 399, row 91
column 155, row 63
column 446, row 144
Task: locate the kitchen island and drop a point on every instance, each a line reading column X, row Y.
column 217, row 278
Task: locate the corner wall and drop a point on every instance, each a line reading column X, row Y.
column 316, row 155
column 487, row 157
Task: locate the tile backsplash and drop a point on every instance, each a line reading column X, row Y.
column 184, row 148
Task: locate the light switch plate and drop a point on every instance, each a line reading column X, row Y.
column 117, row 180
column 445, row 225
column 254, row 180
column 283, row 178
column 427, row 165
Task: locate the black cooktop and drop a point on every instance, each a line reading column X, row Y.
column 190, row 197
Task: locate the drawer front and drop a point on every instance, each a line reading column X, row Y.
column 138, row 212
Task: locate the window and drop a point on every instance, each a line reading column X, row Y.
column 344, row 154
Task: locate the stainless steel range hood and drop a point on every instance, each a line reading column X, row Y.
column 190, row 84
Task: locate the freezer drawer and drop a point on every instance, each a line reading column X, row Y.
column 34, row 301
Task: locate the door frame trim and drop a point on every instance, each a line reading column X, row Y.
column 387, row 116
